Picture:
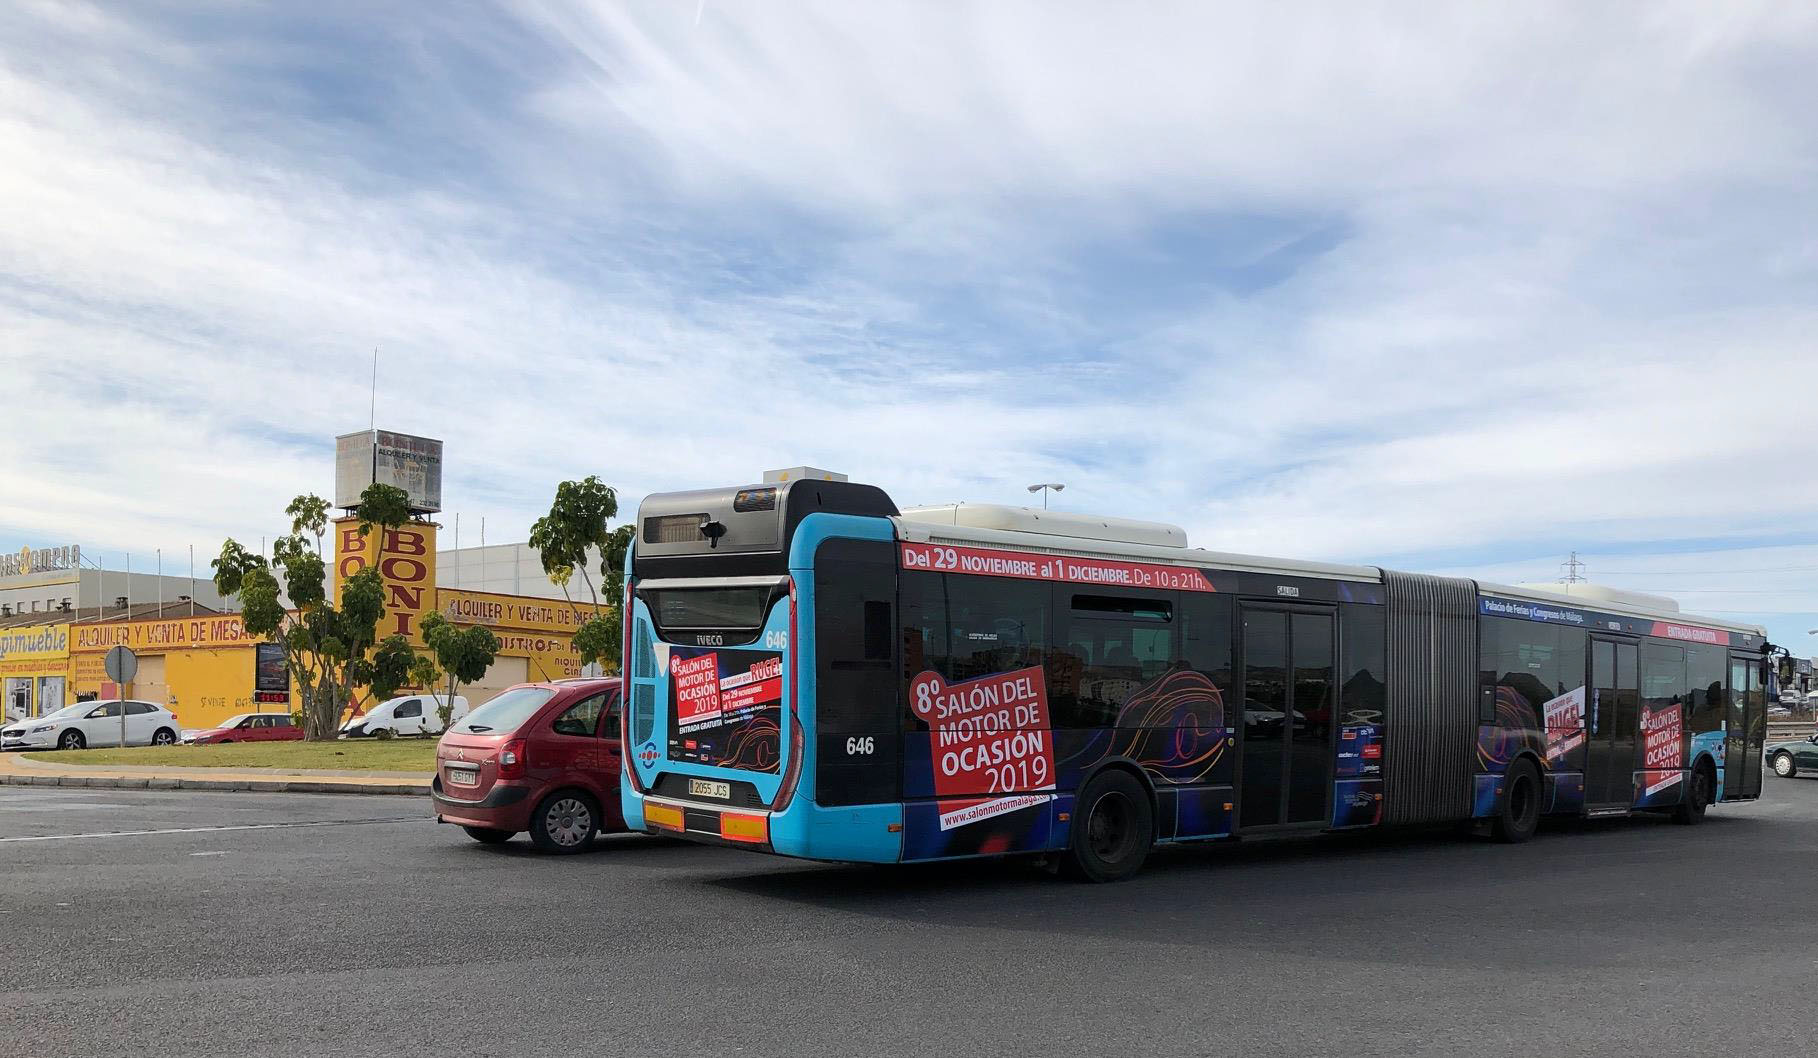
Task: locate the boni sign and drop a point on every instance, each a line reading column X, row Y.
column 406, row 558
column 988, row 736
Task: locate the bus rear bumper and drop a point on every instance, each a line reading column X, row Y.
column 848, row 833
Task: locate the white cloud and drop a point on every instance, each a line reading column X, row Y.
column 1565, row 285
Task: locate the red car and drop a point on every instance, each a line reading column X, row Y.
column 251, row 727
column 541, row 757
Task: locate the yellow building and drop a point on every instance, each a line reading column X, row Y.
column 34, row 669
column 207, row 668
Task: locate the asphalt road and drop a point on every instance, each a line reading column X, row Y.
column 298, row 925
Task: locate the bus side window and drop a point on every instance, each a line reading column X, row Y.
column 1117, row 642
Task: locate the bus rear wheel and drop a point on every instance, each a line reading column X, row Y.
column 1520, row 813
column 1113, row 828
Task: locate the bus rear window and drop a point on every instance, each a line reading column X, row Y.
column 708, row 607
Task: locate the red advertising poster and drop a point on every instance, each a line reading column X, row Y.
column 1662, row 747
column 1691, row 633
column 1661, row 738
column 697, row 688
column 990, row 736
column 760, row 684
column 1565, row 723
column 1020, row 565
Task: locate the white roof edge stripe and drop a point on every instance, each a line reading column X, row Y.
column 1013, row 540
column 1611, row 606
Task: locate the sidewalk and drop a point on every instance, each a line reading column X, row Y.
column 15, row 770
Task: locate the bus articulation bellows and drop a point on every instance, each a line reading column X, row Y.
column 816, row 673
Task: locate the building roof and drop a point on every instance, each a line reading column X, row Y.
column 143, row 611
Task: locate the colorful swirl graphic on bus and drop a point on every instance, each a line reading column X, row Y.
column 1173, row 726
column 1517, row 728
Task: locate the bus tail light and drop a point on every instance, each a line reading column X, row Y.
column 736, row 826
column 663, row 816
column 511, row 759
column 792, row 776
column 627, row 695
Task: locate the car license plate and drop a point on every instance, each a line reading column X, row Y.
column 710, row 788
column 463, row 777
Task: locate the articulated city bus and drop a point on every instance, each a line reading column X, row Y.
column 816, row 673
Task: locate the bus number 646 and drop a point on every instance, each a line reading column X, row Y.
column 860, row 747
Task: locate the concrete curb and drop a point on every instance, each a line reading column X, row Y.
column 136, row 771
column 98, row 782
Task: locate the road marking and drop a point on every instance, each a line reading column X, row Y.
column 217, row 852
column 211, row 830
column 63, row 806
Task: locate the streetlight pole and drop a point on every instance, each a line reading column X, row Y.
column 1044, row 488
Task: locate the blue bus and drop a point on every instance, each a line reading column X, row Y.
column 814, row 672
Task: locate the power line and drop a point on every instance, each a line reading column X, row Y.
column 1727, row 591
column 1704, row 572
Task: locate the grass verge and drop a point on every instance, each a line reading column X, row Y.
column 398, row 754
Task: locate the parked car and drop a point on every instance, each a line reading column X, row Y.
column 94, row 724
column 1787, row 758
column 412, row 714
column 251, row 727
column 540, row 757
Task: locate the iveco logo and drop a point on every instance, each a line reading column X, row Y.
column 710, row 641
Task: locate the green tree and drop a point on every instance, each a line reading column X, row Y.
column 579, row 523
column 329, row 650
column 463, row 653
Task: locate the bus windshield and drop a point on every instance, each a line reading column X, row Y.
column 715, row 607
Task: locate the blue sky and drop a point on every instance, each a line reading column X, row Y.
column 1460, row 291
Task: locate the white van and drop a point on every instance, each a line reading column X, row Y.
column 413, row 714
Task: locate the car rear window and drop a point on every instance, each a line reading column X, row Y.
column 506, row 713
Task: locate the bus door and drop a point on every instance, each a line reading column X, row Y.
column 1612, row 724
column 1288, row 690
column 1744, row 729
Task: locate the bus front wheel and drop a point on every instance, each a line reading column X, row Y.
column 1113, row 828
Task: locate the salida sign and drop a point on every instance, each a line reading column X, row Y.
column 406, row 559
column 988, row 736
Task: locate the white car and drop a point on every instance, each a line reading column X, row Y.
column 95, row 724
column 413, row 714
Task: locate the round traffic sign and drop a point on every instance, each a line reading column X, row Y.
column 122, row 665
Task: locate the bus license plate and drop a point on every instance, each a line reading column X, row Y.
column 710, row 788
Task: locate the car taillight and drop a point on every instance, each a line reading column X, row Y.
column 511, row 759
